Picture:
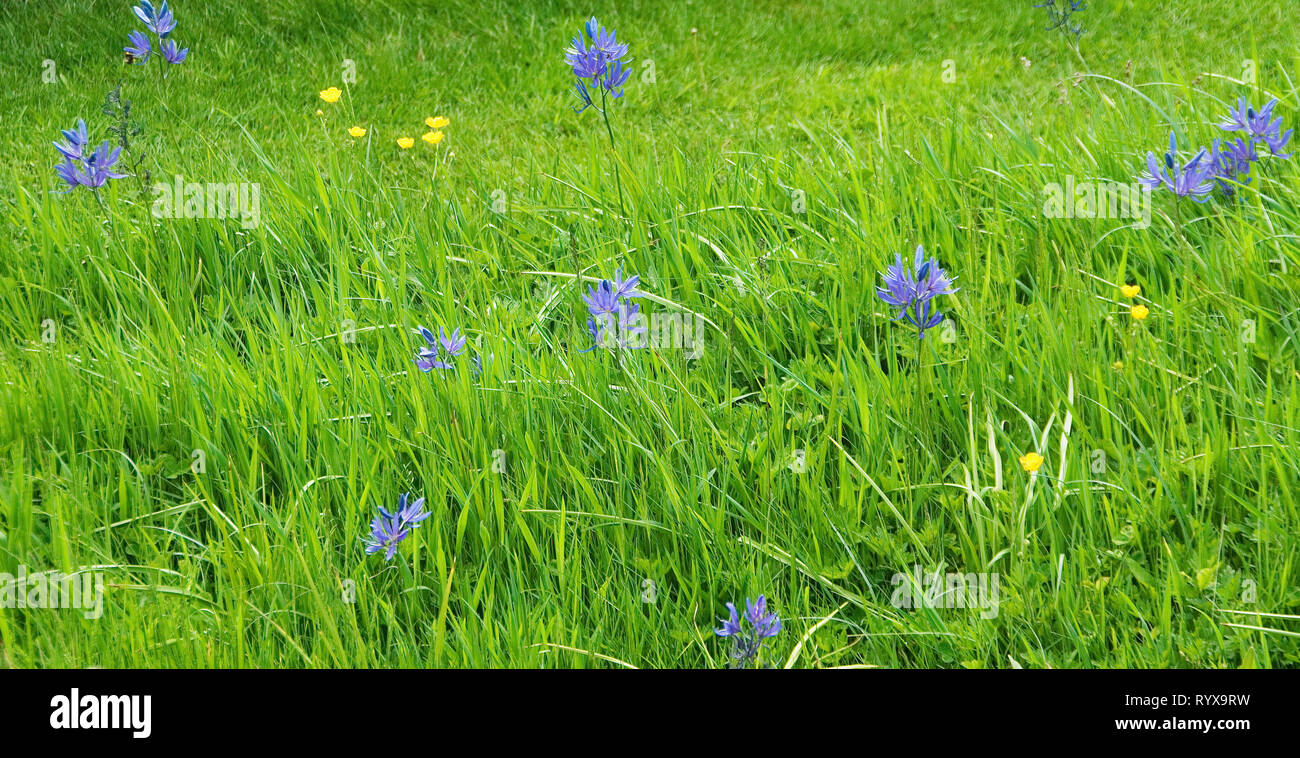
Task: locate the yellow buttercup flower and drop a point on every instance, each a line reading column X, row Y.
column 331, row 95
column 1130, row 290
column 1119, row 365
column 437, row 122
column 405, row 142
column 1031, row 462
column 320, row 112
column 432, row 138
column 357, row 132
column 1139, row 312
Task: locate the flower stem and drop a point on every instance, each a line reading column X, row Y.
column 618, row 178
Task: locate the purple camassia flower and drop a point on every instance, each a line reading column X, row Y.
column 899, row 287
column 931, row 280
column 602, row 298
column 616, row 78
column 1240, row 154
column 427, row 358
column 454, row 345
column 67, row 171
column 139, row 48
column 626, row 287
column 160, row 21
column 765, row 624
column 610, row 298
column 605, row 333
column 584, row 97
column 80, row 169
column 1232, row 161
column 911, row 291
column 1244, row 118
column 919, row 316
column 388, row 529
column 730, row 626
column 762, row 626
column 1236, row 159
column 604, row 40
column 601, row 45
column 384, row 535
column 406, row 515
column 597, row 62
column 77, row 139
column 1277, row 141
column 586, row 63
column 98, row 166
column 157, row 20
column 1195, row 178
column 170, row 53
column 596, row 329
column 1259, row 125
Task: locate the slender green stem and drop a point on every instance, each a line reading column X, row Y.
column 919, row 400
column 618, row 178
column 108, row 217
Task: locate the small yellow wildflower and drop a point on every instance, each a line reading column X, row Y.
column 405, row 142
column 432, row 138
column 437, row 122
column 331, row 95
column 1130, row 290
column 1119, row 365
column 320, row 112
column 357, row 132
column 1031, row 462
column 1139, row 312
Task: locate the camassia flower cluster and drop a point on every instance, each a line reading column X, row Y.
column 614, row 320
column 160, row 21
column 388, row 529
column 911, row 292
column 597, row 63
column 747, row 637
column 1223, row 164
column 429, row 358
column 82, row 167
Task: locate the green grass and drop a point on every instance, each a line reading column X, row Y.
column 176, row 335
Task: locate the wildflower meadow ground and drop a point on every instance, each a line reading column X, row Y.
column 831, row 334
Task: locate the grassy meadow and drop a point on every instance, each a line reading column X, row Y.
column 207, row 412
